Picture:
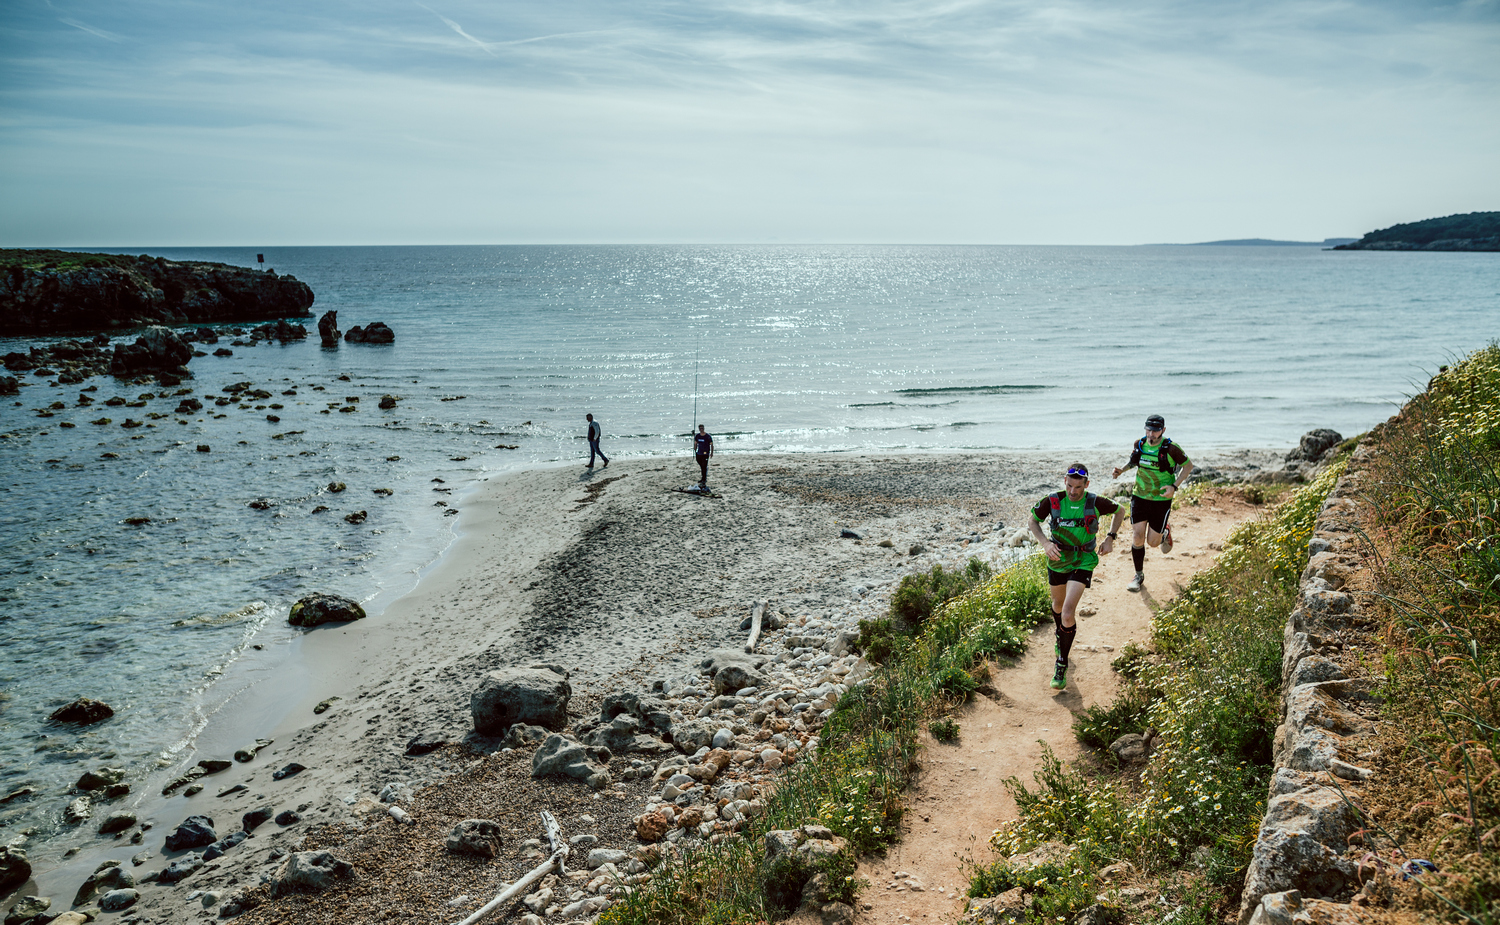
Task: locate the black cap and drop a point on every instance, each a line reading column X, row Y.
column 1156, row 422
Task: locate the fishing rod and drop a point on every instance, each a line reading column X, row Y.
column 696, row 352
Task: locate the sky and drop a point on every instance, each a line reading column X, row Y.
column 189, row 123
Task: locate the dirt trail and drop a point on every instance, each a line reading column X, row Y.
column 957, row 799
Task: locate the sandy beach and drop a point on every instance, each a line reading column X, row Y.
column 614, row 573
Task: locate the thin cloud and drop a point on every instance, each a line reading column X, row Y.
column 485, row 46
column 107, row 36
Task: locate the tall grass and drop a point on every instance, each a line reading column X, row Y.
column 1211, row 689
column 1436, row 486
column 854, row 782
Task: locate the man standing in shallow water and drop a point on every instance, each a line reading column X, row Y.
column 1160, row 466
column 1071, row 559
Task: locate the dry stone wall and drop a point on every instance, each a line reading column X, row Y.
column 1300, row 871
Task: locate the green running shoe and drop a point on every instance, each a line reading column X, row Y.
column 1060, row 676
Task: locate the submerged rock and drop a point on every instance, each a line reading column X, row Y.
column 83, row 712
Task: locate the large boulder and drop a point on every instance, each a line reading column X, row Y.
column 536, row 696
column 328, row 329
column 83, row 712
column 317, row 609
column 1314, row 444
column 157, row 349
column 561, row 756
column 15, row 869
column 310, row 872
column 694, row 734
column 118, row 900
column 194, row 832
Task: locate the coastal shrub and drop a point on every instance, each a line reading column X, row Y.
column 1211, row 688
column 877, row 639
column 1435, row 484
column 854, row 782
column 1101, row 724
column 944, row 730
column 921, row 593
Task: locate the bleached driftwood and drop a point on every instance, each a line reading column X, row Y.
column 558, row 862
column 757, row 613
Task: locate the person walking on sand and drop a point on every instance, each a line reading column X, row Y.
column 595, row 432
column 703, row 447
column 1073, row 515
column 1160, row 467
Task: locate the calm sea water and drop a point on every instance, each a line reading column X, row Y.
column 783, row 349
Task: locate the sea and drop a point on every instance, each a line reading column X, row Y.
column 138, row 566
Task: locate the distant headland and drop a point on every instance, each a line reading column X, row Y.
column 46, row 292
column 1262, row 242
column 1475, row 231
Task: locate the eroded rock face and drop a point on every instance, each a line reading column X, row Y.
column 317, row 609
column 535, row 696
column 102, row 291
column 564, row 757
column 311, row 872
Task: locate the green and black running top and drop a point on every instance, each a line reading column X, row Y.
column 1156, row 467
column 1075, row 526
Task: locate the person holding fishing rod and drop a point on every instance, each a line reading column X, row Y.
column 703, row 448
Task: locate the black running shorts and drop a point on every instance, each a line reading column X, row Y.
column 1083, row 576
column 1154, row 513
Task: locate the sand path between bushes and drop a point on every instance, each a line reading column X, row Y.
column 958, row 798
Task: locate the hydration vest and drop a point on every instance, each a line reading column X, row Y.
column 1164, row 462
column 1090, row 520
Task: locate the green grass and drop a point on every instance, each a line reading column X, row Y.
column 854, row 784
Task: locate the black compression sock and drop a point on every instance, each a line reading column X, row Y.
column 1056, row 621
column 1065, row 642
column 1138, row 554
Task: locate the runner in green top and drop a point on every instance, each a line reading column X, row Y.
column 1073, row 515
column 1160, row 466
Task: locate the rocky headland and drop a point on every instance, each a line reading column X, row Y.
column 1474, row 231
column 45, row 292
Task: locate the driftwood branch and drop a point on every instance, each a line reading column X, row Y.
column 557, row 862
column 757, row 614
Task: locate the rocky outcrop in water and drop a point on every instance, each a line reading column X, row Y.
column 52, row 292
column 328, row 329
column 376, row 332
column 157, row 350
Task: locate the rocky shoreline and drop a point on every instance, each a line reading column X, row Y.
column 48, row 293
column 669, row 732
